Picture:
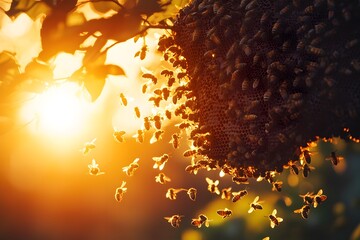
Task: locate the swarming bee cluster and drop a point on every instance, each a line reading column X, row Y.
column 268, row 77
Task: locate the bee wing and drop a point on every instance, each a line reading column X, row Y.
column 320, row 192
column 123, row 184
column 216, row 182
column 298, row 210
column 93, row 141
column 274, row 212
column 251, row 210
column 272, row 224
column 256, row 199
column 279, row 219
column 209, row 181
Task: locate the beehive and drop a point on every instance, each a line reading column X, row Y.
column 268, row 77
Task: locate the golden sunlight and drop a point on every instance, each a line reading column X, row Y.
column 59, row 111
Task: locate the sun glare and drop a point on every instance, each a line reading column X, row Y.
column 59, row 111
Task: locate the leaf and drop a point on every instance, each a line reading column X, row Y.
column 94, row 85
column 104, row 7
column 33, row 8
column 114, row 70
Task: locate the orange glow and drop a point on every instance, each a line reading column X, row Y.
column 59, row 111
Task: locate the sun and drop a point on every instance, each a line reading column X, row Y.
column 59, row 111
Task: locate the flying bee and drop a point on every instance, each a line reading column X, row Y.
column 162, row 178
column 119, row 136
column 124, row 100
column 334, row 159
column 94, row 168
column 274, row 221
column 307, row 169
column 130, row 170
column 240, row 180
column 144, row 88
column 226, row 193
column 276, row 186
column 151, row 77
column 172, row 193
column 190, row 153
column 160, row 161
column 304, row 211
column 175, row 140
column 157, row 121
column 319, row 198
column 157, row 136
column 147, row 123
column 224, row 213
column 137, row 112
column 168, row 114
column 192, row 193
column 88, row 146
column 165, row 93
column 198, row 222
column 119, row 192
column 139, row 136
column 183, row 125
column 238, row 195
column 213, row 186
column 308, row 198
column 156, row 100
column 293, row 168
column 194, row 168
column 307, row 156
column 174, row 220
column 255, row 205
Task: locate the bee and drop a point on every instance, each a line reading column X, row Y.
column 315, row 51
column 88, row 146
column 165, row 93
column 157, row 136
column 213, row 186
column 293, row 168
column 319, row 198
column 308, row 198
column 130, row 170
column 174, row 220
column 274, row 221
column 167, row 73
column 198, row 222
column 160, row 161
column 190, row 152
column 175, row 140
column 255, row 83
column 137, row 112
column 194, row 168
column 265, row 17
column 139, row 136
column 240, row 180
column 192, row 193
column 267, row 95
column 94, row 168
column 215, row 39
column 307, row 156
column 250, row 117
column 309, row 9
column 304, row 211
column 162, row 178
column 277, row 185
column 238, row 195
column 156, row 100
column 171, row 81
column 245, row 84
column 334, row 159
column 119, row 192
column 123, row 99
column 255, row 205
column 172, row 193
column 276, row 27
column 151, row 77
column 226, row 193
column 143, row 51
column 144, row 88
column 119, row 136
column 157, row 121
column 183, row 125
column 224, row 213
column 307, row 169
column 168, row 114
column 147, row 123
